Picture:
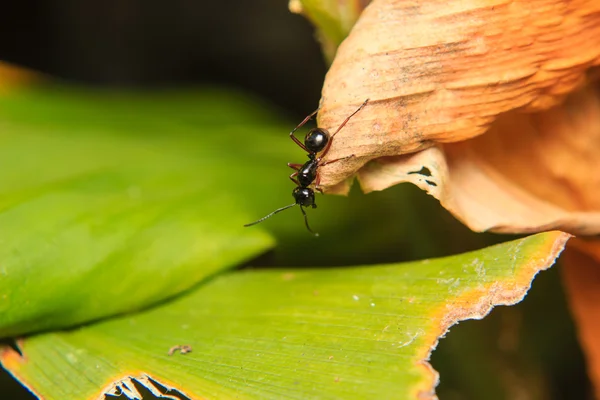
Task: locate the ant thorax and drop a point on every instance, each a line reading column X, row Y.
column 308, row 172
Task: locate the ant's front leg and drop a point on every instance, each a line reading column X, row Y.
column 317, row 182
column 293, row 178
column 296, row 167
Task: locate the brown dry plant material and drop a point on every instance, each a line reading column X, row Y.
column 581, row 273
column 469, row 101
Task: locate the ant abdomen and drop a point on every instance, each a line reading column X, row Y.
column 316, row 139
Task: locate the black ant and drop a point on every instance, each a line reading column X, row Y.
column 317, row 140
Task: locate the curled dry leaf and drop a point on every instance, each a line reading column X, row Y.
column 581, row 272
column 488, row 105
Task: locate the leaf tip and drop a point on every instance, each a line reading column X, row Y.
column 12, row 358
column 540, row 252
column 11, row 355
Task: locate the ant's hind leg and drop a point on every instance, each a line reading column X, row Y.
column 294, row 166
column 300, row 125
column 341, row 126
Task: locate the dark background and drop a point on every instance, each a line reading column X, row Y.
column 256, row 45
column 260, row 47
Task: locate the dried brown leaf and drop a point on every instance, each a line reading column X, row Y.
column 529, row 172
column 441, row 73
column 581, row 273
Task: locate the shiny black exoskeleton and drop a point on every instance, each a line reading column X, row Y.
column 304, row 197
column 307, row 173
column 317, row 140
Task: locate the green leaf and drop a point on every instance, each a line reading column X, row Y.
column 333, row 19
column 110, row 202
column 362, row 332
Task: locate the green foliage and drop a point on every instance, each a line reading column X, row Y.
column 114, row 203
column 334, row 19
column 359, row 332
column 111, row 202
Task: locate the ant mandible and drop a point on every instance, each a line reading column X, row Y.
column 317, row 140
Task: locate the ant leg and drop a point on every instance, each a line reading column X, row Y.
column 318, row 178
column 341, row 126
column 317, row 182
column 300, row 125
column 295, row 166
column 336, row 160
column 292, row 177
column 350, row 116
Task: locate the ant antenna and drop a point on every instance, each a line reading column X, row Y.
column 285, row 208
column 273, row 213
column 306, row 222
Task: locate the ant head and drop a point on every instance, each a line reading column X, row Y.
column 316, row 139
column 304, row 197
